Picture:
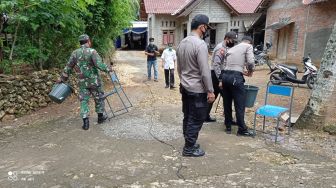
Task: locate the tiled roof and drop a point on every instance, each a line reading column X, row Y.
column 172, row 6
column 307, row 2
column 165, row 6
column 243, row 6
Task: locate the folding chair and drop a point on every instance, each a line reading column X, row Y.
column 117, row 89
column 273, row 111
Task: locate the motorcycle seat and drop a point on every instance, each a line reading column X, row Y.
column 293, row 68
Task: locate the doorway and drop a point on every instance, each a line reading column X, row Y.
column 282, row 43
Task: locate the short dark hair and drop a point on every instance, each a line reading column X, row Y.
column 83, row 42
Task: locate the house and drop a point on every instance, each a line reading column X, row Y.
column 133, row 38
column 169, row 21
column 298, row 28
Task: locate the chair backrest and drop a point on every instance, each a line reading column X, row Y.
column 280, row 90
column 114, row 77
column 286, row 91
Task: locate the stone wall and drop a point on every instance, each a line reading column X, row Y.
column 22, row 94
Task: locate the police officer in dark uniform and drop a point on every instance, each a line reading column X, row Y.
column 238, row 57
column 196, row 84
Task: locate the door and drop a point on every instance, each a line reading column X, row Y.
column 282, row 43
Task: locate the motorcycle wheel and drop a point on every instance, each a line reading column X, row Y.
column 311, row 80
column 275, row 78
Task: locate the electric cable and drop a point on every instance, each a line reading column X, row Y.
column 178, row 172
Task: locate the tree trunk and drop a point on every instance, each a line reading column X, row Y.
column 14, row 40
column 314, row 115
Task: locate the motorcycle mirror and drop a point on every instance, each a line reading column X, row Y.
column 268, row 44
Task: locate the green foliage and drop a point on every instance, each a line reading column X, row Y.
column 48, row 30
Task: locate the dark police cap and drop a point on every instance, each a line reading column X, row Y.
column 232, row 35
column 201, row 19
column 151, row 39
column 248, row 38
column 84, row 37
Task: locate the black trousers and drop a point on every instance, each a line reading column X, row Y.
column 217, row 90
column 233, row 89
column 194, row 107
column 169, row 77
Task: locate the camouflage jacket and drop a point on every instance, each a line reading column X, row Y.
column 85, row 62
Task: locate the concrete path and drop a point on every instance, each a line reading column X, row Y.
column 142, row 148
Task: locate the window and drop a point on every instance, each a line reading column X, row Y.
column 238, row 23
column 234, row 23
column 162, row 23
column 168, row 37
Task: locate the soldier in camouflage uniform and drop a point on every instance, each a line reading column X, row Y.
column 86, row 63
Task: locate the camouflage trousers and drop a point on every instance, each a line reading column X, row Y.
column 84, row 97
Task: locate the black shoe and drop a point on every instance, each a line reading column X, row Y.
column 172, row 87
column 196, row 146
column 210, row 119
column 248, row 133
column 155, row 80
column 228, row 129
column 166, row 86
column 101, row 118
column 86, row 123
column 192, row 152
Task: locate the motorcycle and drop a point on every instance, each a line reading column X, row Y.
column 285, row 73
column 260, row 54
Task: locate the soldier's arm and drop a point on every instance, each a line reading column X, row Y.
column 98, row 62
column 218, row 61
column 68, row 68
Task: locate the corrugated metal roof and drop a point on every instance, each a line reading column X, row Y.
column 165, row 6
column 174, row 6
column 243, row 6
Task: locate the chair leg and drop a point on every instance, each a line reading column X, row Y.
column 254, row 124
column 264, row 121
column 277, row 130
column 289, row 124
column 108, row 102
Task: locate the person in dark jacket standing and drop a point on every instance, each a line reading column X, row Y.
column 196, row 84
column 151, row 51
column 238, row 57
column 217, row 65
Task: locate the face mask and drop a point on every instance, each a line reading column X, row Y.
column 151, row 43
column 230, row 44
column 204, row 34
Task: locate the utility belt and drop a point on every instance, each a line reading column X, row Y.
column 192, row 94
column 230, row 77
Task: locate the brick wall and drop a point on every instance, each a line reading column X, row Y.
column 303, row 34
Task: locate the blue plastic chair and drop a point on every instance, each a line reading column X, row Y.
column 273, row 111
column 117, row 89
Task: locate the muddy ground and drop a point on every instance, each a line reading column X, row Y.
column 142, row 148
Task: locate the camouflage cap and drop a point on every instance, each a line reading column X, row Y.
column 84, row 37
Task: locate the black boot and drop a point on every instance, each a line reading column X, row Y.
column 86, row 123
column 246, row 132
column 192, row 152
column 228, row 129
column 101, row 118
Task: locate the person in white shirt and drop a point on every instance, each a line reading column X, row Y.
column 168, row 64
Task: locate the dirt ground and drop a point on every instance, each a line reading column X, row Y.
column 142, row 148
